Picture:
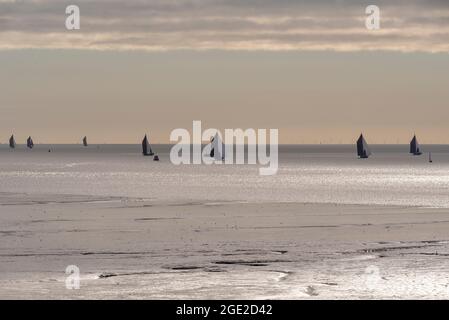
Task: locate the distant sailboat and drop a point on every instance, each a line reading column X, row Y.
column 363, row 150
column 217, row 148
column 12, row 142
column 146, row 148
column 430, row 157
column 85, row 141
column 30, row 143
column 415, row 149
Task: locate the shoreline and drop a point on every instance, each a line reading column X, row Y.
column 39, row 198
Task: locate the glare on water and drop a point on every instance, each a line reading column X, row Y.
column 312, row 174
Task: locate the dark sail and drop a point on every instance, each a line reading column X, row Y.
column 212, row 150
column 217, row 148
column 12, row 142
column 85, row 141
column 146, row 148
column 30, row 143
column 363, row 150
column 415, row 149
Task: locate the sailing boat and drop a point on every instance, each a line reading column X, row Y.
column 146, row 148
column 30, row 143
column 363, row 150
column 430, row 157
column 85, row 141
column 218, row 149
column 12, row 142
column 414, row 147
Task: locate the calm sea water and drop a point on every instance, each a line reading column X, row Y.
column 316, row 174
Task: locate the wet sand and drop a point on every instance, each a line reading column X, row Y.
column 144, row 249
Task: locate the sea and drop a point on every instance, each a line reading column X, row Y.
column 306, row 174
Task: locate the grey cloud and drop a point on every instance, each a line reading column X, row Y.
column 411, row 25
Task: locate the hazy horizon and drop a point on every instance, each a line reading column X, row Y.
column 138, row 143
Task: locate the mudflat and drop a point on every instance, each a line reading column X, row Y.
column 130, row 248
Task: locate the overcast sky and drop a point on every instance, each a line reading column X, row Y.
column 309, row 68
column 407, row 25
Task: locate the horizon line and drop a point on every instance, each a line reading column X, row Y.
column 246, row 144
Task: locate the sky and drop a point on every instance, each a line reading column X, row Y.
column 308, row 68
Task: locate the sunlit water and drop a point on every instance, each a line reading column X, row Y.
column 312, row 174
